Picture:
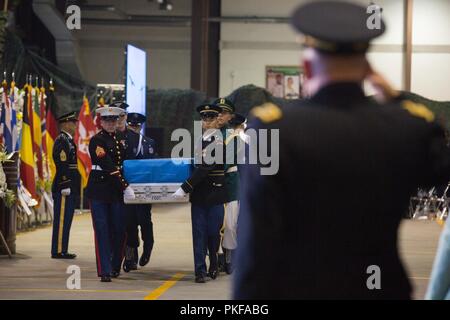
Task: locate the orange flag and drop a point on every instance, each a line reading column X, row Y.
column 86, row 129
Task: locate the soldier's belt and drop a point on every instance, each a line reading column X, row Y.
column 96, row 167
column 232, row 169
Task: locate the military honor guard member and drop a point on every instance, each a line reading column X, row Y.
column 106, row 190
column 138, row 147
column 207, row 191
column 226, row 114
column 235, row 149
column 65, row 187
column 326, row 224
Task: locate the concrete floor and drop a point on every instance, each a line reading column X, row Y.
column 33, row 275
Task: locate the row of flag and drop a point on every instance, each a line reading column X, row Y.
column 28, row 124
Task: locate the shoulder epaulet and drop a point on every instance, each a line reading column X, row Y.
column 418, row 110
column 267, row 113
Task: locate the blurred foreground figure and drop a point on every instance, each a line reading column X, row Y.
column 439, row 286
column 325, row 225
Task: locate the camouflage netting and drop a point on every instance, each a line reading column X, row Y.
column 173, row 109
column 22, row 61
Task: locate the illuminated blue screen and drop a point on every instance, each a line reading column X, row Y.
column 135, row 86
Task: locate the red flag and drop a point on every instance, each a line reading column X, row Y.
column 86, row 129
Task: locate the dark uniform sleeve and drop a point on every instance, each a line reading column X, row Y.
column 436, row 169
column 437, row 166
column 151, row 148
column 100, row 156
column 61, row 153
column 260, row 230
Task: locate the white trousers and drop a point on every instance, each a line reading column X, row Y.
column 230, row 225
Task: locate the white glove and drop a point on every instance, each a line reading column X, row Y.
column 65, row 192
column 128, row 193
column 179, row 193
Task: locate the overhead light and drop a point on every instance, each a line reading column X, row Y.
column 165, row 5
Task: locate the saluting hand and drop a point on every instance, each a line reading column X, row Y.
column 384, row 90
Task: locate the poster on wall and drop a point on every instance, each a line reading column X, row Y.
column 284, row 81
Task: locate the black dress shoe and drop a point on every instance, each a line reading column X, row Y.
column 64, row 256
column 129, row 265
column 145, row 258
column 105, row 279
column 213, row 274
column 115, row 274
column 200, row 279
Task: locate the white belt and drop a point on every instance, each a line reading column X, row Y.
column 96, row 167
column 232, row 169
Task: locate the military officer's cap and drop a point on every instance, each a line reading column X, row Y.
column 71, row 116
column 135, row 118
column 109, row 112
column 237, row 119
column 208, row 110
column 225, row 104
column 120, row 104
column 336, row 27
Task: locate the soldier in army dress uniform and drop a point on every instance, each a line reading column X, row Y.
column 234, row 150
column 226, row 115
column 207, row 191
column 65, row 186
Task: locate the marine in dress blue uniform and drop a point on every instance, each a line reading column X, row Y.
column 347, row 168
column 138, row 147
column 106, row 189
column 65, row 186
column 207, row 191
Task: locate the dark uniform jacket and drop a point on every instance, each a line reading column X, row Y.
column 137, row 146
column 234, row 150
column 207, row 182
column 65, row 158
column 347, row 169
column 105, row 180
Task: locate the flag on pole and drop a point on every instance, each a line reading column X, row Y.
column 3, row 110
column 45, row 155
column 12, row 126
column 52, row 129
column 101, row 103
column 86, row 129
column 8, row 117
column 26, row 147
